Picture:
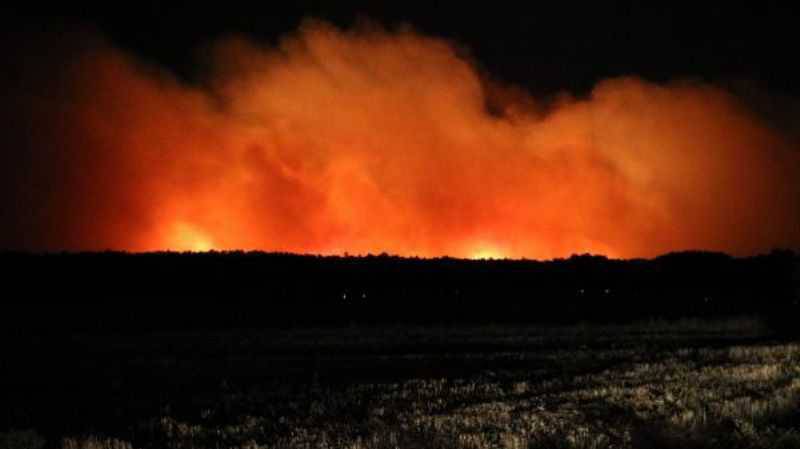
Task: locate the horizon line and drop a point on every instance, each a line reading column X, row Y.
column 383, row 254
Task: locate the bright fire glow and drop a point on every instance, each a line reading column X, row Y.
column 186, row 237
column 486, row 253
column 369, row 141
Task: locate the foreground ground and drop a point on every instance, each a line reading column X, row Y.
column 724, row 384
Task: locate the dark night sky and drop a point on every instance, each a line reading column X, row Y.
column 543, row 46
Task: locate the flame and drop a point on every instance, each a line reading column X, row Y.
column 487, row 253
column 186, row 237
column 368, row 141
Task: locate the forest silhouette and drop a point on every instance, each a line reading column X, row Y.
column 126, row 292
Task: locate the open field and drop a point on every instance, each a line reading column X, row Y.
column 690, row 383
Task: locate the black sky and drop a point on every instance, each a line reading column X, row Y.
column 543, row 46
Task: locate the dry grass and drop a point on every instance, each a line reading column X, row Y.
column 646, row 386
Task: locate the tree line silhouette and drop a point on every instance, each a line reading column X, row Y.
column 125, row 292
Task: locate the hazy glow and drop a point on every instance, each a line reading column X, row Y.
column 486, row 251
column 186, row 237
column 367, row 141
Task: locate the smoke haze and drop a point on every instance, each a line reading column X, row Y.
column 370, row 140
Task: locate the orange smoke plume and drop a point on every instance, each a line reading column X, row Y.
column 369, row 140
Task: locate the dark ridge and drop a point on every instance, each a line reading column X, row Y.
column 127, row 292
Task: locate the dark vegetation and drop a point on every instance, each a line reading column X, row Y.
column 120, row 292
column 248, row 349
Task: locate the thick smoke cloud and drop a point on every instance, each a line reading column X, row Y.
column 369, row 140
